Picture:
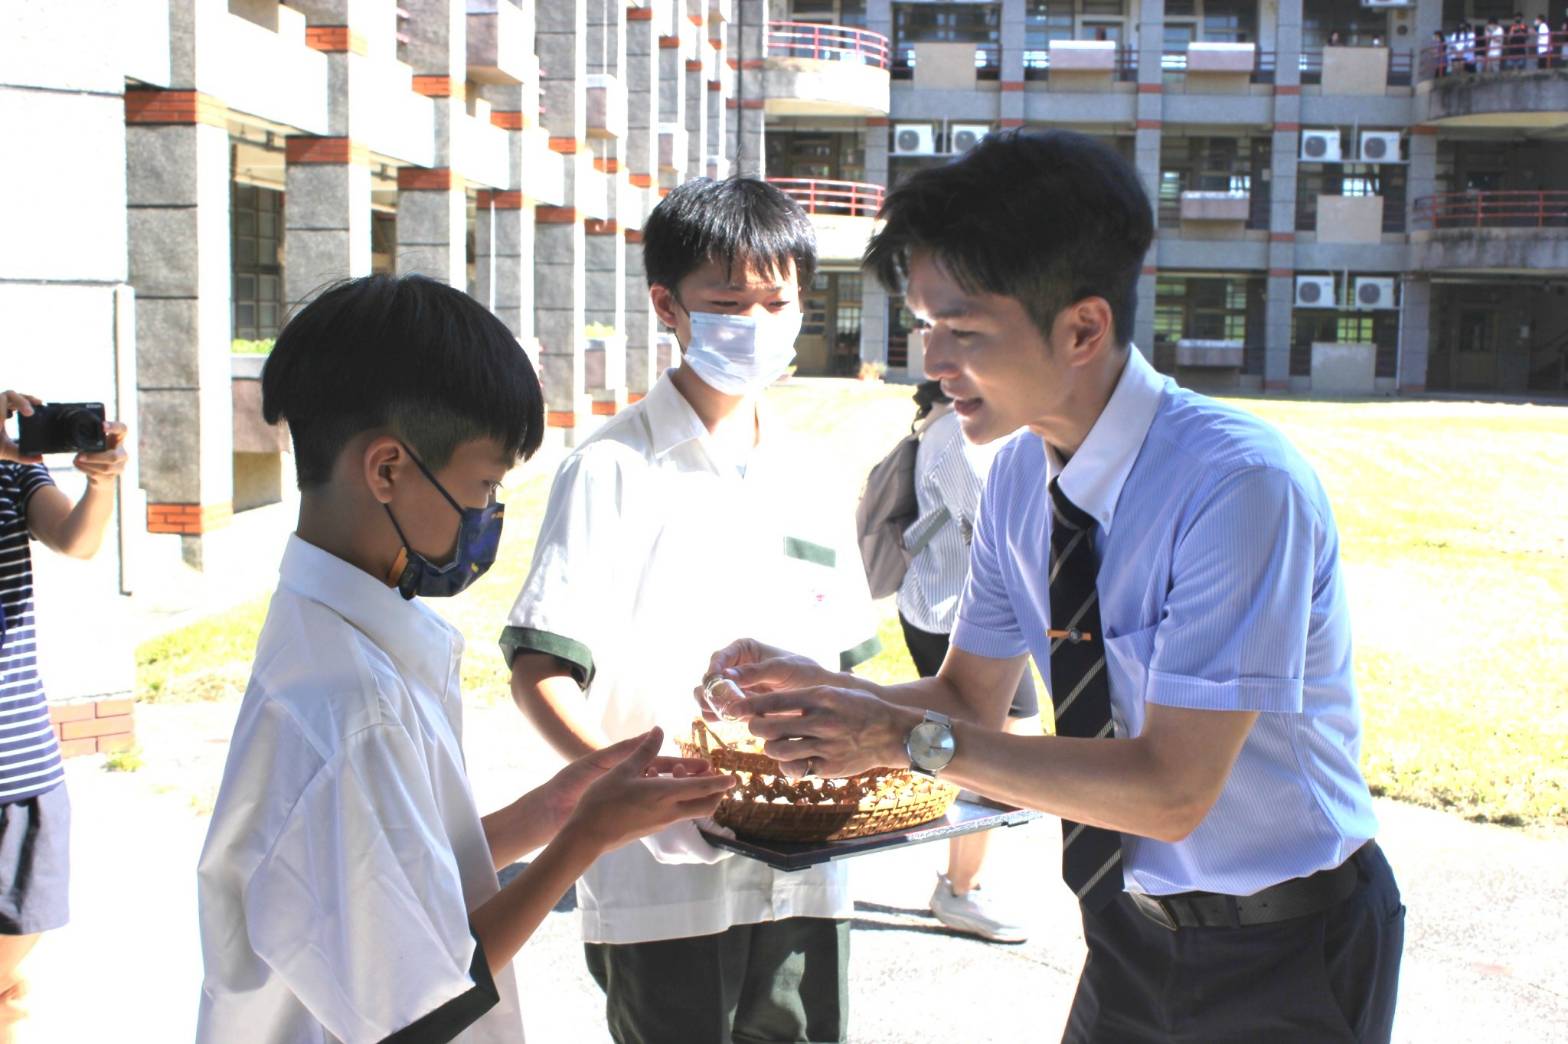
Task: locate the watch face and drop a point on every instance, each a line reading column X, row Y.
column 931, row 745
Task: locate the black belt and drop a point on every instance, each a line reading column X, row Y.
column 1281, row 902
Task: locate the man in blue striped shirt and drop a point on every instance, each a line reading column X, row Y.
column 35, row 814
column 1172, row 565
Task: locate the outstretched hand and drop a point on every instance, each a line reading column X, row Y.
column 626, row 790
column 750, row 667
column 826, row 730
column 12, row 403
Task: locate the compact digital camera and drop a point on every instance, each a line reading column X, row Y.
column 62, row 427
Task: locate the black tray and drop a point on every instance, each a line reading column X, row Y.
column 965, row 817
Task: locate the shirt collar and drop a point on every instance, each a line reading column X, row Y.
column 1093, row 479
column 424, row 646
column 672, row 422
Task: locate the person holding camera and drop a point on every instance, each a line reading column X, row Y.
column 35, row 814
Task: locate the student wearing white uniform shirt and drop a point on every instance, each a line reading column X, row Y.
column 1172, row 565
column 676, row 526
column 348, row 886
column 949, row 475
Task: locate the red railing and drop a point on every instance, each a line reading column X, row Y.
column 1497, row 208
column 828, row 42
column 1451, row 59
column 851, row 198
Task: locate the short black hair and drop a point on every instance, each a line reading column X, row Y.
column 1048, row 218
column 738, row 219
column 405, row 353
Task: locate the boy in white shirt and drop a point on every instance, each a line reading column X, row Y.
column 669, row 528
column 348, row 887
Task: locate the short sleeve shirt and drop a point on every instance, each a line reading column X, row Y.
column 29, row 753
column 655, row 551
column 1219, row 589
column 345, row 852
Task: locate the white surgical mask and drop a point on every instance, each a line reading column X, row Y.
column 740, row 355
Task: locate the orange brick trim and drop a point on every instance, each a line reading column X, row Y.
column 556, row 215
column 604, row 407
column 598, row 227
column 669, row 43
column 1149, row 124
column 715, row 85
column 1012, row 85
column 335, row 39
column 745, row 103
column 307, row 149
column 509, row 119
column 716, row 42
column 1286, row 128
column 694, row 19
column 190, row 519
column 565, row 146
column 754, row 63
column 1423, row 131
column 560, row 419
column 1286, row 90
column 438, row 87
column 640, row 180
column 1281, row 273
column 633, row 235
column 1413, row 389
column 148, row 105
column 606, row 164
column 693, row 65
column 733, row 63
column 663, row 192
column 1010, row 122
column 1151, row 88
column 639, row 14
column 427, row 179
column 1150, row 269
column 1282, row 237
column 501, row 200
column 878, row 121
column 1276, row 386
column 632, row 397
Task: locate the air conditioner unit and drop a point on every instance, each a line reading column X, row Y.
column 1315, row 292
column 964, row 136
column 1374, row 292
column 914, row 139
column 1380, row 147
column 1320, row 146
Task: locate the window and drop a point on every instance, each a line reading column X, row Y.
column 1357, row 26
column 257, row 261
column 851, row 13
column 979, row 24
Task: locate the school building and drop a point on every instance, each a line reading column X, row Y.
column 1333, row 219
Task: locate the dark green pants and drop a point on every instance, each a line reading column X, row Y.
column 780, row 982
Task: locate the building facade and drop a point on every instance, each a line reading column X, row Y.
column 1341, row 208
column 1344, row 206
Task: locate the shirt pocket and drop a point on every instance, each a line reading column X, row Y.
column 1127, row 658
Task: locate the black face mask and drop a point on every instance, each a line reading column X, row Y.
column 478, row 540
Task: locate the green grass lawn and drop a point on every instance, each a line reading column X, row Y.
column 1452, row 518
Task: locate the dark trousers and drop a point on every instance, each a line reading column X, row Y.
column 1327, row 977
column 780, row 981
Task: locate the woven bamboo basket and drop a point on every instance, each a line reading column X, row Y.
column 765, row 804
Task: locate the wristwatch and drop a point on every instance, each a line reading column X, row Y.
column 930, row 744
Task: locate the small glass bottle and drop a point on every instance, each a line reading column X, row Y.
column 723, row 697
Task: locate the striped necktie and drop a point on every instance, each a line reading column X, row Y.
column 1091, row 856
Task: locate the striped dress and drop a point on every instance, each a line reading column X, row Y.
column 29, row 754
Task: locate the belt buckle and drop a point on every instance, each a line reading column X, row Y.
column 1154, row 908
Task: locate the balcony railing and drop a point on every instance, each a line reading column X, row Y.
column 1449, row 59
column 827, row 43
column 1498, row 208
column 846, row 198
column 988, row 62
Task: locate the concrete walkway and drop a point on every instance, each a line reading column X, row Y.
column 1486, row 958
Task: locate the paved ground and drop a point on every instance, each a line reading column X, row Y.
column 1487, row 956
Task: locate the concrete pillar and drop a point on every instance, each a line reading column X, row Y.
column 559, row 247
column 879, row 17
column 873, row 298
column 432, row 203
column 1010, row 107
column 694, row 45
column 1415, row 334
column 641, row 169
column 1148, row 133
column 604, row 248
column 671, row 92
column 1282, row 198
column 749, row 37
column 177, row 194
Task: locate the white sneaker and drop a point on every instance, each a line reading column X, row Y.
column 973, row 914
